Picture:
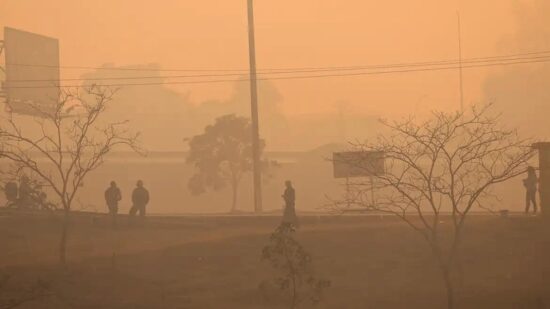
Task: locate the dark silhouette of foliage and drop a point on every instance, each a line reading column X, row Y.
column 294, row 266
column 222, row 155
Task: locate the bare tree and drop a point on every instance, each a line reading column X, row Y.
column 444, row 165
column 72, row 142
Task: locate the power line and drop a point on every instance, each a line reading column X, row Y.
column 245, row 71
column 404, row 65
column 299, row 77
column 400, row 64
column 461, row 84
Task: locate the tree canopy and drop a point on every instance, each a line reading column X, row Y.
column 221, row 155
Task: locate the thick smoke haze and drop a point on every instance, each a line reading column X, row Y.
column 166, row 117
column 386, row 172
column 312, row 33
column 522, row 93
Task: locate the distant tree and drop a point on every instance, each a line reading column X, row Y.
column 222, row 155
column 293, row 266
column 444, row 165
column 67, row 147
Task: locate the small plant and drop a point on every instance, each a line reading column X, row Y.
column 294, row 267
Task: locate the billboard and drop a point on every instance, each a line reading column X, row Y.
column 357, row 164
column 32, row 72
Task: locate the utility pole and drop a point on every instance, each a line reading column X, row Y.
column 254, row 111
column 460, row 62
column 2, row 91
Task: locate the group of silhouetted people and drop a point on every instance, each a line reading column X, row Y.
column 26, row 195
column 140, row 199
column 19, row 196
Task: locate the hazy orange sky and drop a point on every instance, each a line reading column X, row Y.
column 212, row 34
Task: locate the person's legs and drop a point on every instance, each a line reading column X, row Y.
column 534, row 201
column 527, row 202
column 113, row 209
column 142, row 211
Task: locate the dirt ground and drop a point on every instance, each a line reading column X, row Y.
column 214, row 262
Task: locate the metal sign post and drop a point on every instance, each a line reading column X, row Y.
column 2, row 92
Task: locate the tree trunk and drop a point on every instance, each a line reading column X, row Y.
column 64, row 235
column 450, row 289
column 234, row 187
column 446, row 273
column 294, row 293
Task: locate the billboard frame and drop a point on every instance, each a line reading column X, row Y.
column 32, row 62
column 342, row 168
column 363, row 164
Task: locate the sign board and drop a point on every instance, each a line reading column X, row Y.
column 32, row 72
column 358, row 164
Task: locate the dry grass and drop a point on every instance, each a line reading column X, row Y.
column 214, row 262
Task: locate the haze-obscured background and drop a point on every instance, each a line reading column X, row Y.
column 296, row 115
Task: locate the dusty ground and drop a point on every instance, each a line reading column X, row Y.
column 214, row 262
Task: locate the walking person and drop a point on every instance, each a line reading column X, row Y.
column 289, row 196
column 112, row 197
column 140, row 199
column 530, row 184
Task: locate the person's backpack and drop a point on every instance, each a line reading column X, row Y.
column 10, row 190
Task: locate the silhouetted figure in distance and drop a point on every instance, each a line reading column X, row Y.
column 140, row 198
column 530, row 184
column 112, row 197
column 11, row 191
column 25, row 192
column 289, row 197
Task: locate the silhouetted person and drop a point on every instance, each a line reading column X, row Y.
column 140, row 198
column 530, row 184
column 112, row 197
column 289, row 197
column 11, row 191
column 25, row 193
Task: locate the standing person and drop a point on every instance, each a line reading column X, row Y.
column 112, row 197
column 25, row 193
column 11, row 191
column 140, row 198
column 530, row 184
column 289, row 196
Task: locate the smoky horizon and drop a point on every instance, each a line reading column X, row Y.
column 290, row 154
